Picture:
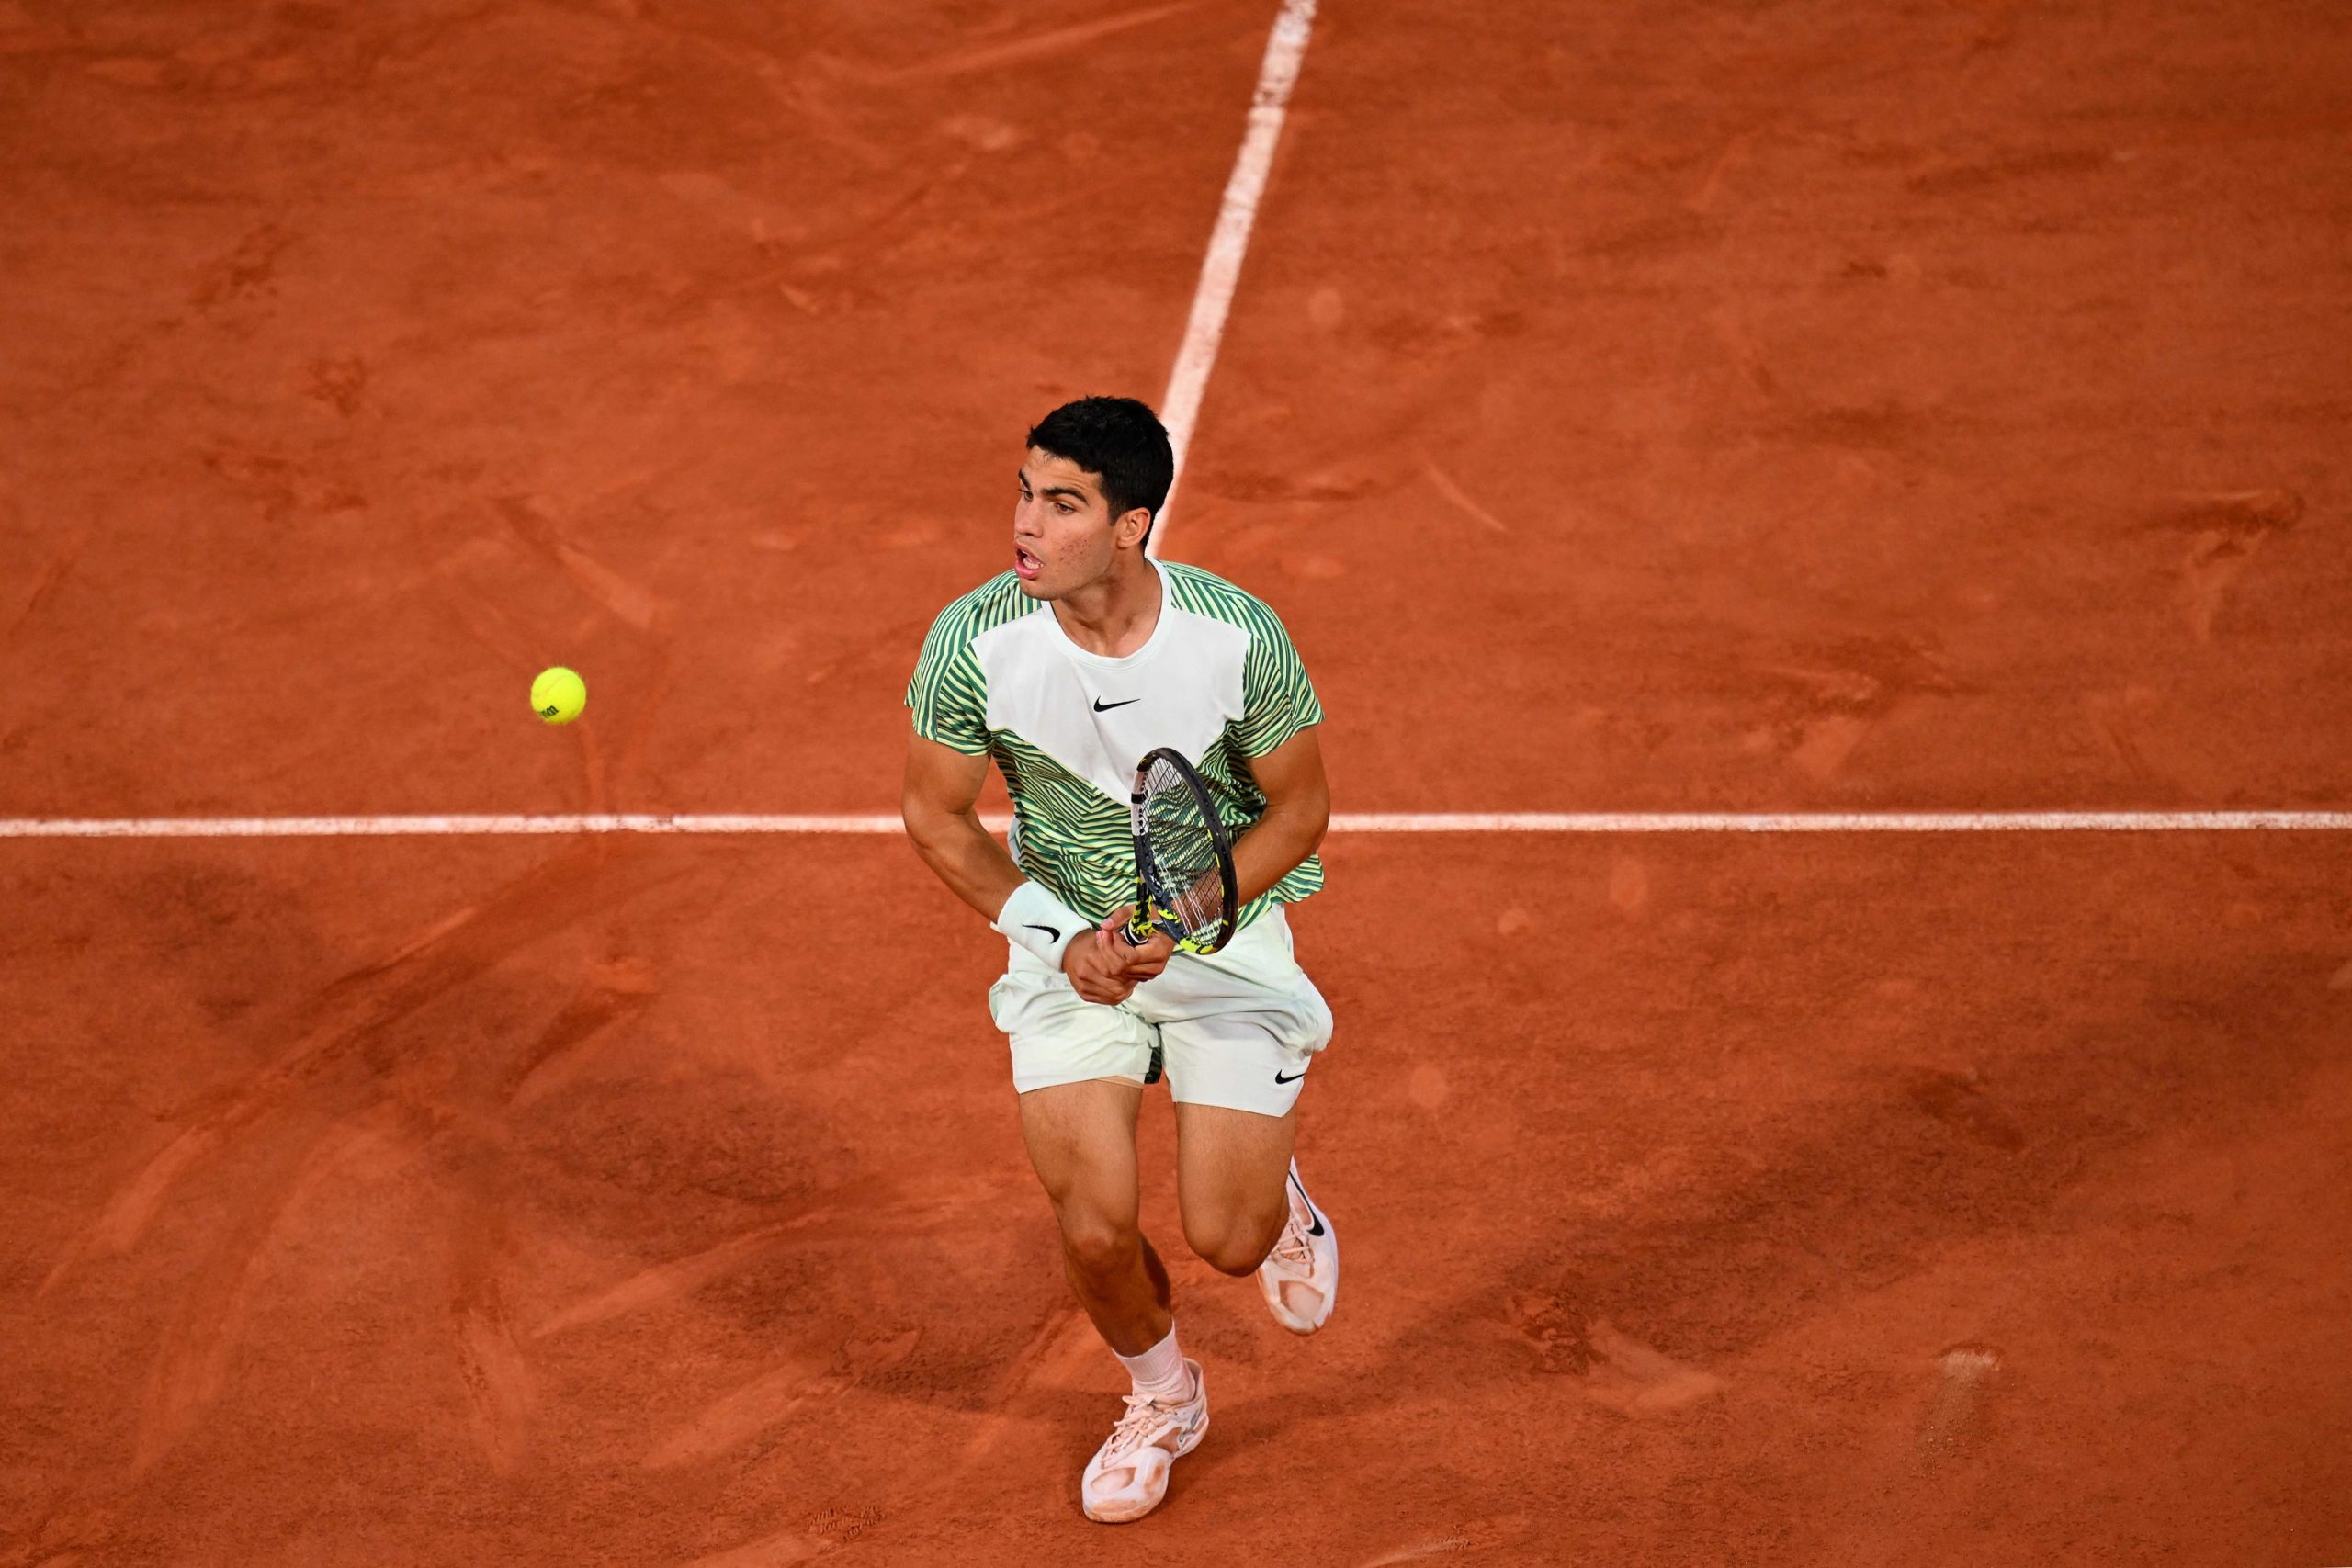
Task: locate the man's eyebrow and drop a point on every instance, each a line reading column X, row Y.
column 1074, row 493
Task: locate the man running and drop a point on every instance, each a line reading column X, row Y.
column 1066, row 670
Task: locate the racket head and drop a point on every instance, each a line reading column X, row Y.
column 1185, row 881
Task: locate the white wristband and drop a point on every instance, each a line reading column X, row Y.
column 1037, row 920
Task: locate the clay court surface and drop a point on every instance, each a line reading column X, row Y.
column 1806, row 406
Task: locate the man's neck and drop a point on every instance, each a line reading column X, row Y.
column 1115, row 617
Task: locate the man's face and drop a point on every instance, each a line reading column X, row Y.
column 1063, row 535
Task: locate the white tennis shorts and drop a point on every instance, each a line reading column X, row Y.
column 1236, row 1027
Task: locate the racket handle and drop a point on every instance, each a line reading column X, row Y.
column 1138, row 930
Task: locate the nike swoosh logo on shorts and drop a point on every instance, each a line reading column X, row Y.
column 1102, row 707
column 1293, row 1078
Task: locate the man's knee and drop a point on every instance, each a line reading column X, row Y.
column 1098, row 1247
column 1234, row 1244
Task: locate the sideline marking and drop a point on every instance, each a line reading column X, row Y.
column 1342, row 822
column 1179, row 406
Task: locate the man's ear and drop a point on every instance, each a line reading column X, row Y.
column 1132, row 526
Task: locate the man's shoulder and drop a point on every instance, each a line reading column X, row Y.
column 1205, row 593
column 991, row 605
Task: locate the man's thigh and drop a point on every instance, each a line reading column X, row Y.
column 1231, row 1168
column 1081, row 1140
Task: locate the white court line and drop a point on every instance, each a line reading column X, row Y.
column 1179, row 406
column 1619, row 822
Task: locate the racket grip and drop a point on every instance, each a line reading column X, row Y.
column 1138, row 930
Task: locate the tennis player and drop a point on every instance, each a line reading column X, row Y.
column 1066, row 670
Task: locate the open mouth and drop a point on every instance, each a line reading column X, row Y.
column 1026, row 564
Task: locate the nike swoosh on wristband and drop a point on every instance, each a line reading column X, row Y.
column 1102, row 707
column 1051, row 933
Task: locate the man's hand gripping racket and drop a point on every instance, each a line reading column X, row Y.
column 1185, row 885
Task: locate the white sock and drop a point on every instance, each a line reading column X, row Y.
column 1159, row 1372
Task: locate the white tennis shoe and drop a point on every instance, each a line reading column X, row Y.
column 1300, row 1278
column 1128, row 1474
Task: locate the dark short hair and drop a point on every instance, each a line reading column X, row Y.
column 1119, row 439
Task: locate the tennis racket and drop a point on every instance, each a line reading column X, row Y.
column 1185, row 885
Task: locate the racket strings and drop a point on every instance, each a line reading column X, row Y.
column 1187, row 873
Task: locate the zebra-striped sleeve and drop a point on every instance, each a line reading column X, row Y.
column 1277, row 699
column 949, row 695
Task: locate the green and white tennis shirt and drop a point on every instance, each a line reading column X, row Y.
column 1218, row 680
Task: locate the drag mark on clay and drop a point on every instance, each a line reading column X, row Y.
column 1414, row 1554
column 619, row 990
column 669, row 1282
column 1634, row 1379
column 1437, row 1547
column 634, row 605
column 1461, row 498
column 771, row 1399
column 2225, row 533
column 192, row 1365
column 500, row 1390
column 46, row 582
column 1036, row 46
column 827, row 1529
column 1832, row 702
column 2114, row 717
column 1967, row 1373
column 1619, row 1373
column 1477, row 1535
column 770, row 1552
column 852, row 1215
column 1703, row 198
column 126, row 1215
column 766, row 1401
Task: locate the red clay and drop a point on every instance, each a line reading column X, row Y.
column 1626, row 408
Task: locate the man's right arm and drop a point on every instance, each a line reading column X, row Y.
column 940, row 804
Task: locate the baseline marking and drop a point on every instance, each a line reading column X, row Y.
column 1179, row 406
column 1620, row 822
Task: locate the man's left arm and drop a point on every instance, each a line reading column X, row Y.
column 1298, row 809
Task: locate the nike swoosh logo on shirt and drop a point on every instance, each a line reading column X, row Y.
column 1102, row 707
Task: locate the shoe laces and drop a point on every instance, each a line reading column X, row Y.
column 1295, row 1246
column 1144, row 1415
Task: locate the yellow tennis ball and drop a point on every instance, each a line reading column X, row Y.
column 558, row 695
